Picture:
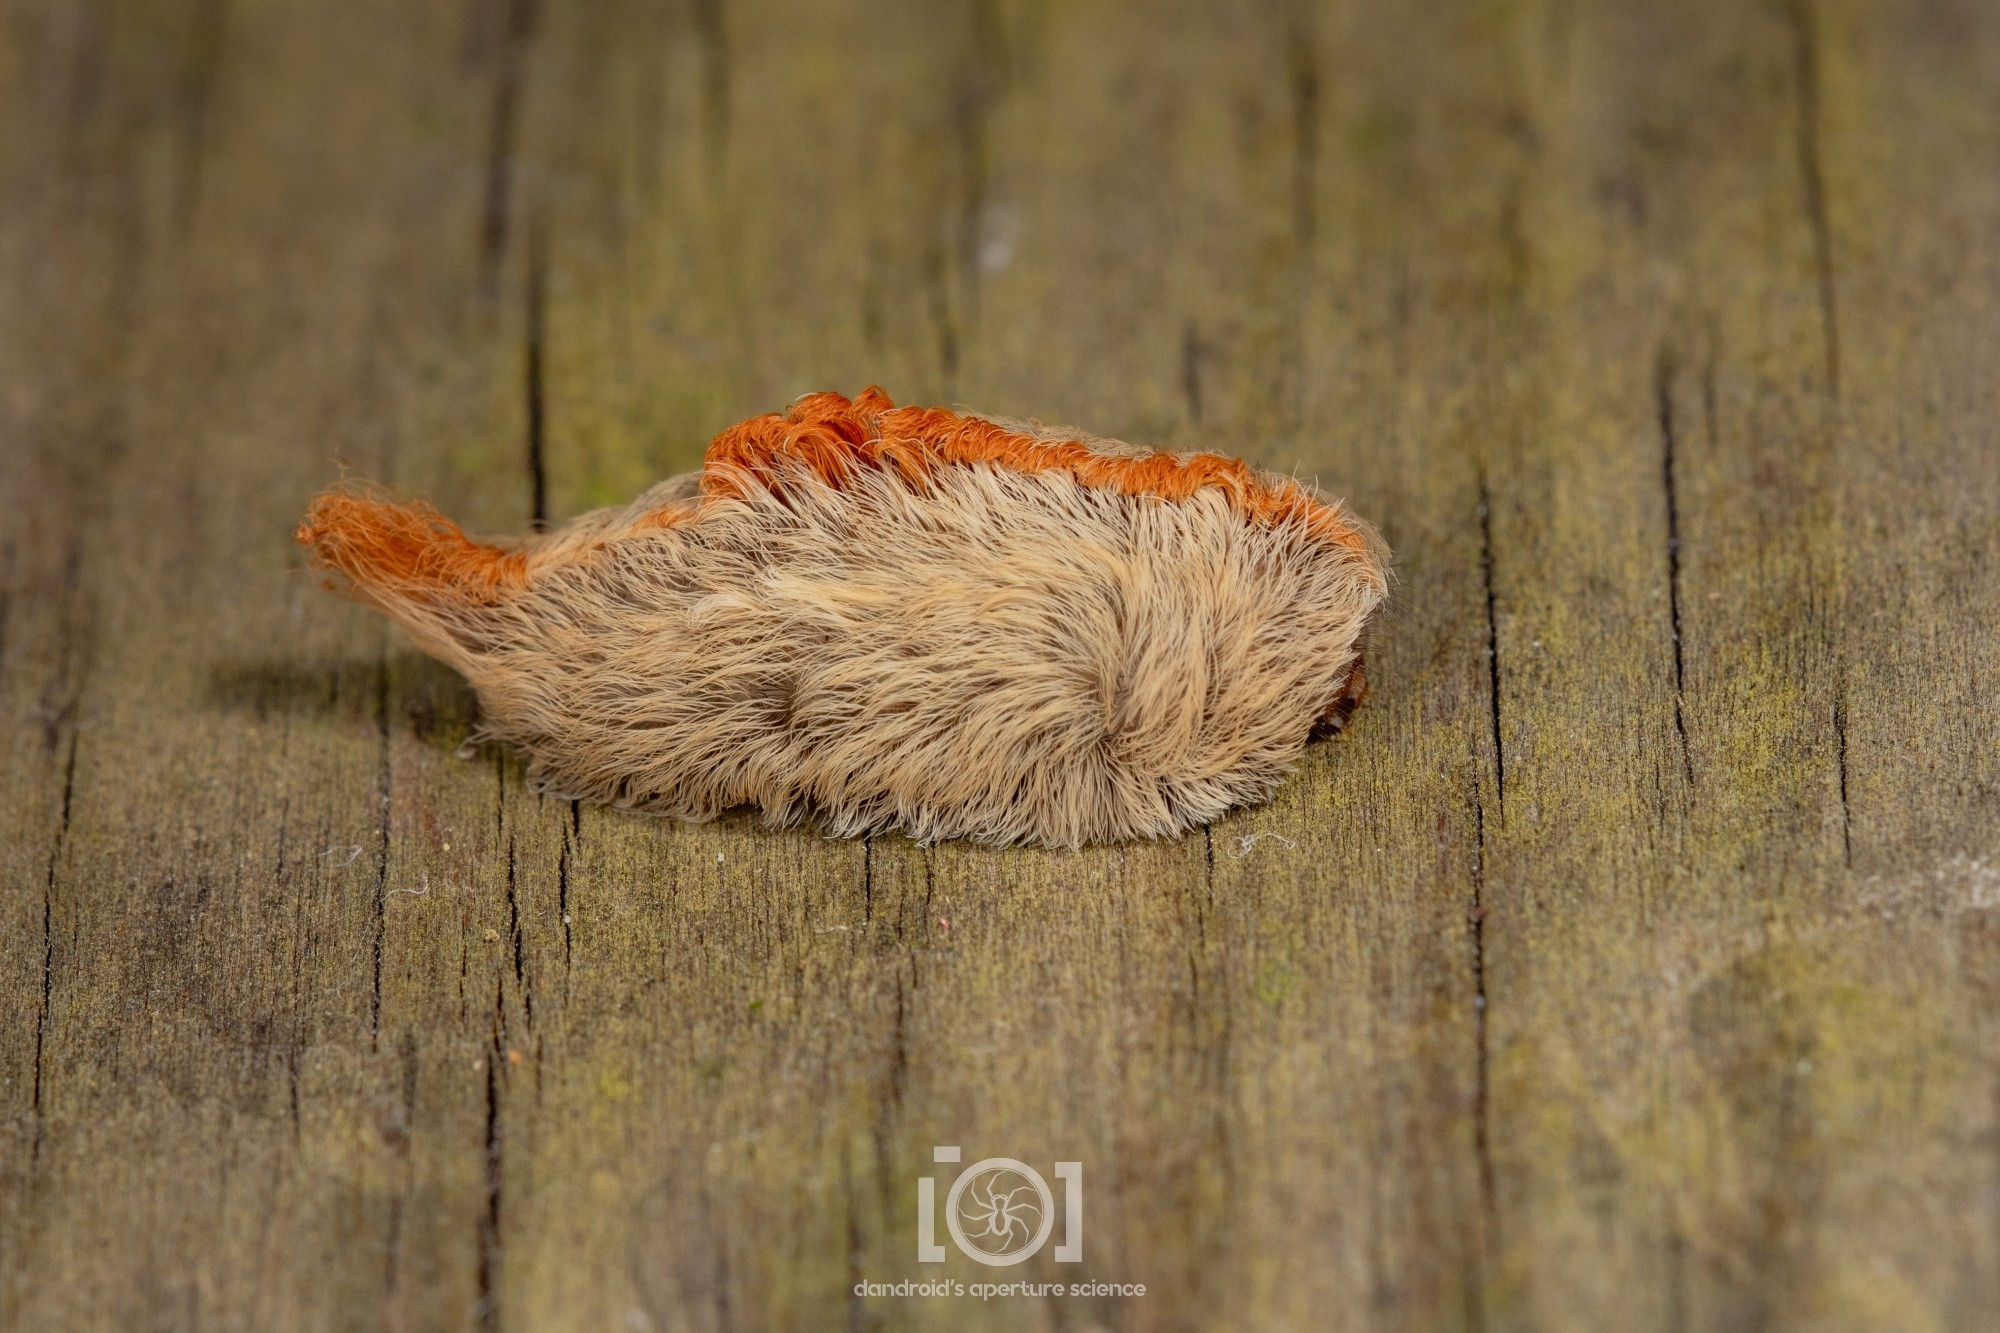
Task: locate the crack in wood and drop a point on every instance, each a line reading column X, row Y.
column 293, row 1054
column 196, row 96
column 1208, row 863
column 943, row 324
column 534, row 401
column 296, row 1040
column 1492, row 647
column 1663, row 397
column 43, row 1006
column 1840, row 741
column 1191, row 358
column 978, row 89
column 400, row 1141
column 1482, row 1143
column 64, row 691
column 73, row 662
column 1803, row 21
column 486, row 1307
column 382, row 775
column 1202, row 907
column 503, row 127
column 1806, row 84
column 562, row 904
column 711, row 29
column 1303, row 78
column 514, row 936
column 1476, row 916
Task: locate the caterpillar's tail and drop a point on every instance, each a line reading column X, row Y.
column 412, row 563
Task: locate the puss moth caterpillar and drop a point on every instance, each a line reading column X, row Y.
column 899, row 618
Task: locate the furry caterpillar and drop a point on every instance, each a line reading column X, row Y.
column 899, row 618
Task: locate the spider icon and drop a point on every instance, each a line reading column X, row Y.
column 1000, row 1211
column 1003, row 1206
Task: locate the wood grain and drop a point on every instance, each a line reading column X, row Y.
column 1632, row 962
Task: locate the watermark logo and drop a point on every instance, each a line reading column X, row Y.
column 1000, row 1211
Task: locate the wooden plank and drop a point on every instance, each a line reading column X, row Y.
column 1630, row 963
column 57, row 427
column 1906, row 982
column 1714, row 1076
column 227, row 1113
column 1179, row 1027
column 73, row 156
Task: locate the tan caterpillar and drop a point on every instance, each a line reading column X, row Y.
column 899, row 618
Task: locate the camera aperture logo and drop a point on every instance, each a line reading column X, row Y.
column 999, row 1211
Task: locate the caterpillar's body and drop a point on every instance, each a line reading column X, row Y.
column 900, row 618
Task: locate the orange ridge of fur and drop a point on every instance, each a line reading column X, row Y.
column 412, row 548
column 833, row 435
column 408, row 549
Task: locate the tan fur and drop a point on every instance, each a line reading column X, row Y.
column 975, row 651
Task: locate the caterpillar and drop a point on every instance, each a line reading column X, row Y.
column 881, row 617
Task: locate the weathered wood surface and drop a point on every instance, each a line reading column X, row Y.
column 1634, row 962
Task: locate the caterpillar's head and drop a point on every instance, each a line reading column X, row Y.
column 1352, row 691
